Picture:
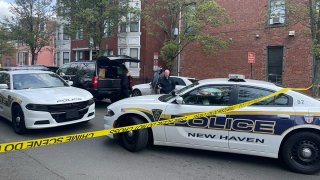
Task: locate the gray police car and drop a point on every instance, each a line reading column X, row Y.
column 286, row 126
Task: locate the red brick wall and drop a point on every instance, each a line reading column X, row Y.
column 249, row 19
column 107, row 43
column 149, row 45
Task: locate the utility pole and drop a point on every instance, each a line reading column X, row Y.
column 179, row 41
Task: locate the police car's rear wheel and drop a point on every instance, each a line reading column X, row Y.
column 134, row 140
column 301, row 152
column 18, row 122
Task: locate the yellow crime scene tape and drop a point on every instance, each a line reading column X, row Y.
column 13, row 146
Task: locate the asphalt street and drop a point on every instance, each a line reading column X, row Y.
column 102, row 158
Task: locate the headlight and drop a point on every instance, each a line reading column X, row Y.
column 91, row 101
column 109, row 112
column 37, row 107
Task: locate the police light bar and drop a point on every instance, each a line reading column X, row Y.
column 237, row 77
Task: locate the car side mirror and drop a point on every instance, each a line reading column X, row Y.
column 70, row 83
column 62, row 74
column 4, row 86
column 179, row 100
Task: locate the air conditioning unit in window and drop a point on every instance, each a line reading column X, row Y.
column 277, row 20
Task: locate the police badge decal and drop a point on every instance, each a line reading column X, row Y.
column 308, row 118
column 156, row 114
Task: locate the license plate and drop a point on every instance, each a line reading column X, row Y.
column 72, row 114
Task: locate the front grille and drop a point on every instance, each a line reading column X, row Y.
column 62, row 117
column 66, row 107
column 59, row 111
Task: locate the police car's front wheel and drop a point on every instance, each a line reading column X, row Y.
column 301, row 152
column 134, row 140
column 18, row 123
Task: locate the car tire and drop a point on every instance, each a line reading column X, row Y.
column 136, row 92
column 301, row 153
column 134, row 140
column 18, row 120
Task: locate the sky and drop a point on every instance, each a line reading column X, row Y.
column 4, row 7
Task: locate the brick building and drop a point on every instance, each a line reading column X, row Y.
column 22, row 56
column 260, row 26
column 282, row 49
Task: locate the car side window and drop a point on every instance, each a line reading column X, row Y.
column 209, row 96
column 63, row 69
column 5, row 79
column 72, row 69
column 87, row 69
column 250, row 93
column 178, row 81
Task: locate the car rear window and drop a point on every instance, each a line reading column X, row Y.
column 110, row 72
column 87, row 69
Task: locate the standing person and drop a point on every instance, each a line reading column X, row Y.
column 166, row 84
column 156, row 76
column 125, row 84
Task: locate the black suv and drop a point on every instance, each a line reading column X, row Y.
column 101, row 77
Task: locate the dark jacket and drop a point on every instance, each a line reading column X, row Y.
column 125, row 86
column 167, row 85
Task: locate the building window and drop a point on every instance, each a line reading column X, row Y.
column 8, row 62
column 79, row 34
column 66, row 57
column 42, row 27
column 134, row 26
column 108, row 29
column 65, row 35
column 190, row 16
column 58, row 58
column 134, row 23
column 277, row 12
column 123, row 27
column 22, row 58
column 134, row 54
column 123, row 51
column 58, row 33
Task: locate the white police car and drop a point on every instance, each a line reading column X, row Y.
column 146, row 89
column 286, row 126
column 41, row 99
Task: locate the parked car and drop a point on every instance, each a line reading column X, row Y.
column 36, row 99
column 101, row 77
column 286, row 126
column 30, row 67
column 146, row 89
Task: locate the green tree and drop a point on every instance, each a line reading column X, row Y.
column 184, row 22
column 96, row 19
column 6, row 46
column 31, row 24
column 307, row 13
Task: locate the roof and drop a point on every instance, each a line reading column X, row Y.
column 182, row 77
column 123, row 58
column 34, row 67
column 27, row 72
column 247, row 82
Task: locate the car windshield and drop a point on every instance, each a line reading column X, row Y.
column 185, row 89
column 37, row 80
column 167, row 97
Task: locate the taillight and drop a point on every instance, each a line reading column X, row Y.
column 95, row 81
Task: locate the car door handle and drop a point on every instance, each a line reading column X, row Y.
column 283, row 116
column 221, row 115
